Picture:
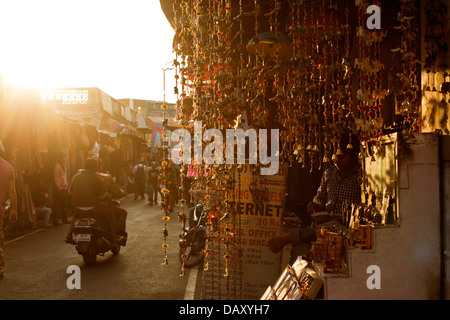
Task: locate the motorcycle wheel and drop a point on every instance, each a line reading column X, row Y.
column 90, row 256
column 195, row 246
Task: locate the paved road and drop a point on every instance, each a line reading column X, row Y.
column 36, row 264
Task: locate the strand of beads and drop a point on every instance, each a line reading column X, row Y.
column 407, row 97
column 165, row 191
column 182, row 217
column 239, row 169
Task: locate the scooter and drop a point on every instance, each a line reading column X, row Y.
column 193, row 240
column 91, row 239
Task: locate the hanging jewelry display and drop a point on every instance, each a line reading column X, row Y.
column 369, row 66
column 319, row 65
column 297, row 79
column 408, row 94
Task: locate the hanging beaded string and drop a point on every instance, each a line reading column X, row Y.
column 164, row 190
column 225, row 202
column 219, row 253
column 375, row 113
column 338, row 93
column 228, row 231
column 215, row 239
column 307, row 102
column 256, row 88
column 210, row 256
column 227, row 258
column 327, row 85
column 362, row 64
column 316, row 79
column 294, row 74
column 182, row 218
column 345, row 108
column 290, row 151
column 303, row 101
column 177, row 66
column 216, row 55
column 211, row 8
column 408, row 97
column 240, row 70
column 325, row 79
column 293, row 77
column 236, row 229
column 338, row 97
column 240, row 249
column 215, row 69
column 180, row 47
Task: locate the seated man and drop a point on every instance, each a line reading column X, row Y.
column 89, row 196
column 339, row 184
column 39, row 195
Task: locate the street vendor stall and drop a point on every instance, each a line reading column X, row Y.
column 315, row 72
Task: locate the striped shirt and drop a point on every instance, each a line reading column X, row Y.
column 334, row 191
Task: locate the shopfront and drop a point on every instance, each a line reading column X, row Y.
column 38, row 126
column 315, row 71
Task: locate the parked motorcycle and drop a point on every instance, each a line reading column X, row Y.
column 192, row 244
column 91, row 239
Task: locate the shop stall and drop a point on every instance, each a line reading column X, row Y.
column 310, row 73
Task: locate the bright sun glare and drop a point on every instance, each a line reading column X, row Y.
column 118, row 46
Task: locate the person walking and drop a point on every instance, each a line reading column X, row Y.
column 7, row 192
column 59, row 193
column 171, row 185
column 152, row 184
column 139, row 180
column 39, row 195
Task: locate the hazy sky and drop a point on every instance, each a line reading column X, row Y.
column 118, row 46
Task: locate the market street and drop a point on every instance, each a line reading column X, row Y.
column 36, row 264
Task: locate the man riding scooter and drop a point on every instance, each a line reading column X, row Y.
column 90, row 198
